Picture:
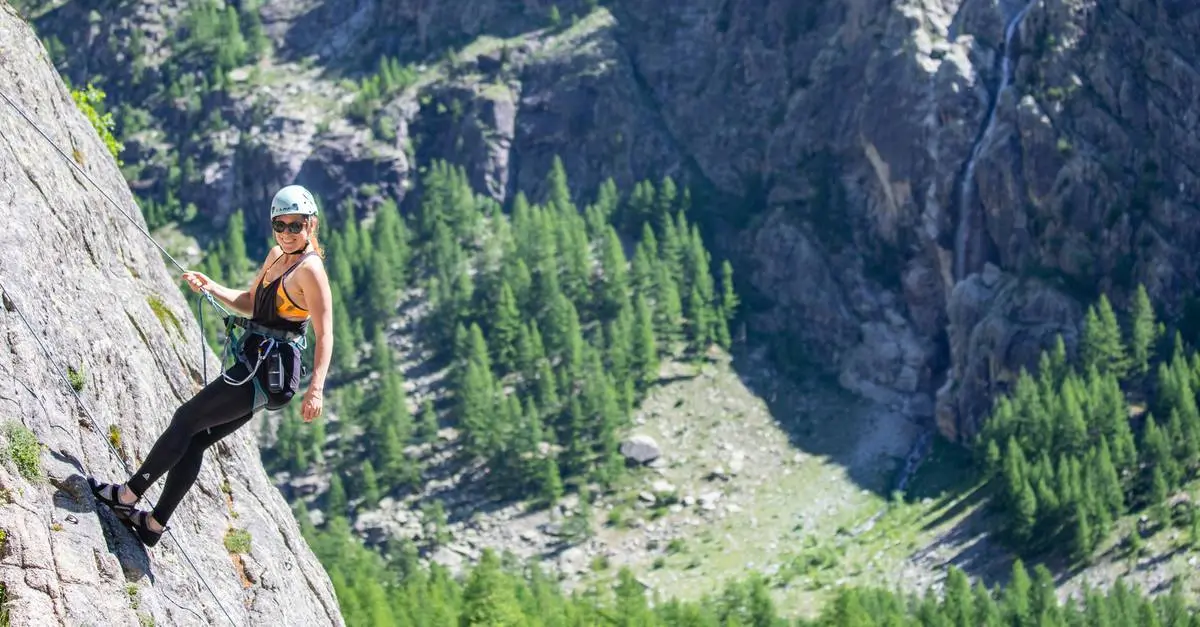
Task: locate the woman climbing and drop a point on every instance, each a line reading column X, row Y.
column 290, row 289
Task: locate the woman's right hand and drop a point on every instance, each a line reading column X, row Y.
column 197, row 281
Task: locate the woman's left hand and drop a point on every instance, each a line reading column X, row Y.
column 312, row 405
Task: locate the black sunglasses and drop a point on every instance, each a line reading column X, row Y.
column 293, row 227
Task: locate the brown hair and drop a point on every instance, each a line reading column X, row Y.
column 316, row 244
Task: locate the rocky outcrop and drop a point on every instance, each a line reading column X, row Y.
column 98, row 295
column 1082, row 168
column 509, row 107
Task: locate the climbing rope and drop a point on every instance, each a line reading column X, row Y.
column 9, row 295
column 60, row 370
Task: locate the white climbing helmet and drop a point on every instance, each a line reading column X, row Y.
column 293, row 199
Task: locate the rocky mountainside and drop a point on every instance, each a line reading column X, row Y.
column 98, row 296
column 921, row 192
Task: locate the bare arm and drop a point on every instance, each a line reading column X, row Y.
column 315, row 285
column 240, row 301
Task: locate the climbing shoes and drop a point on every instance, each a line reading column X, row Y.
column 139, row 522
column 107, row 493
column 130, row 516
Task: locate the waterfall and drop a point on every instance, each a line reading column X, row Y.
column 966, row 207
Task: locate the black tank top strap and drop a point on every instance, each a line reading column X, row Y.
column 265, row 312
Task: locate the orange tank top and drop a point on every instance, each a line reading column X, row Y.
column 284, row 305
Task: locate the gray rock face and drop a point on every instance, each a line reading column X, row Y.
column 857, row 120
column 97, row 293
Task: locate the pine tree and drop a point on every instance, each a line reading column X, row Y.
column 370, row 485
column 699, row 322
column 344, row 359
column 475, row 408
column 643, row 269
column 506, row 330
column 614, row 288
column 336, row 499
column 381, row 289
column 668, row 309
column 551, row 485
column 1101, row 344
column 958, row 604
column 487, row 597
column 644, row 355
column 427, row 427
column 1081, row 535
column 1016, row 595
column 1108, row 482
column 1143, row 335
column 236, row 261
column 729, row 298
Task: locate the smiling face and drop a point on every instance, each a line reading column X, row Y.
column 291, row 231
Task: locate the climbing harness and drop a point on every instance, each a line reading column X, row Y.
column 267, row 350
column 50, row 356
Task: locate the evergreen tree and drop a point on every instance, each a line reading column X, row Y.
column 644, row 354
column 729, row 298
column 370, row 485
column 1143, row 334
column 487, row 598
column 336, row 499
column 506, row 330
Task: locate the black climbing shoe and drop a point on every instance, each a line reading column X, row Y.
column 139, row 522
column 107, row 493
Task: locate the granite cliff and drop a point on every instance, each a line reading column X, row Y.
column 96, row 292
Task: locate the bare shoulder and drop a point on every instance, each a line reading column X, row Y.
column 314, row 264
column 275, row 253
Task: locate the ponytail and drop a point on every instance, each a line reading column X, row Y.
column 316, row 244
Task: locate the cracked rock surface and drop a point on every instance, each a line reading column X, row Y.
column 98, row 296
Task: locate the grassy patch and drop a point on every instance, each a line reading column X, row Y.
column 131, row 590
column 237, row 541
column 76, row 378
column 164, row 314
column 24, row 450
column 114, row 435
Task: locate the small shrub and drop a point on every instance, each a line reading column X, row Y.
column 89, row 100
column 237, row 541
column 131, row 590
column 114, row 435
column 24, row 450
column 76, row 378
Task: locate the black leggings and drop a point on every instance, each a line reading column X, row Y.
column 213, row 413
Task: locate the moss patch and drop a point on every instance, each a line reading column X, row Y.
column 164, row 314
